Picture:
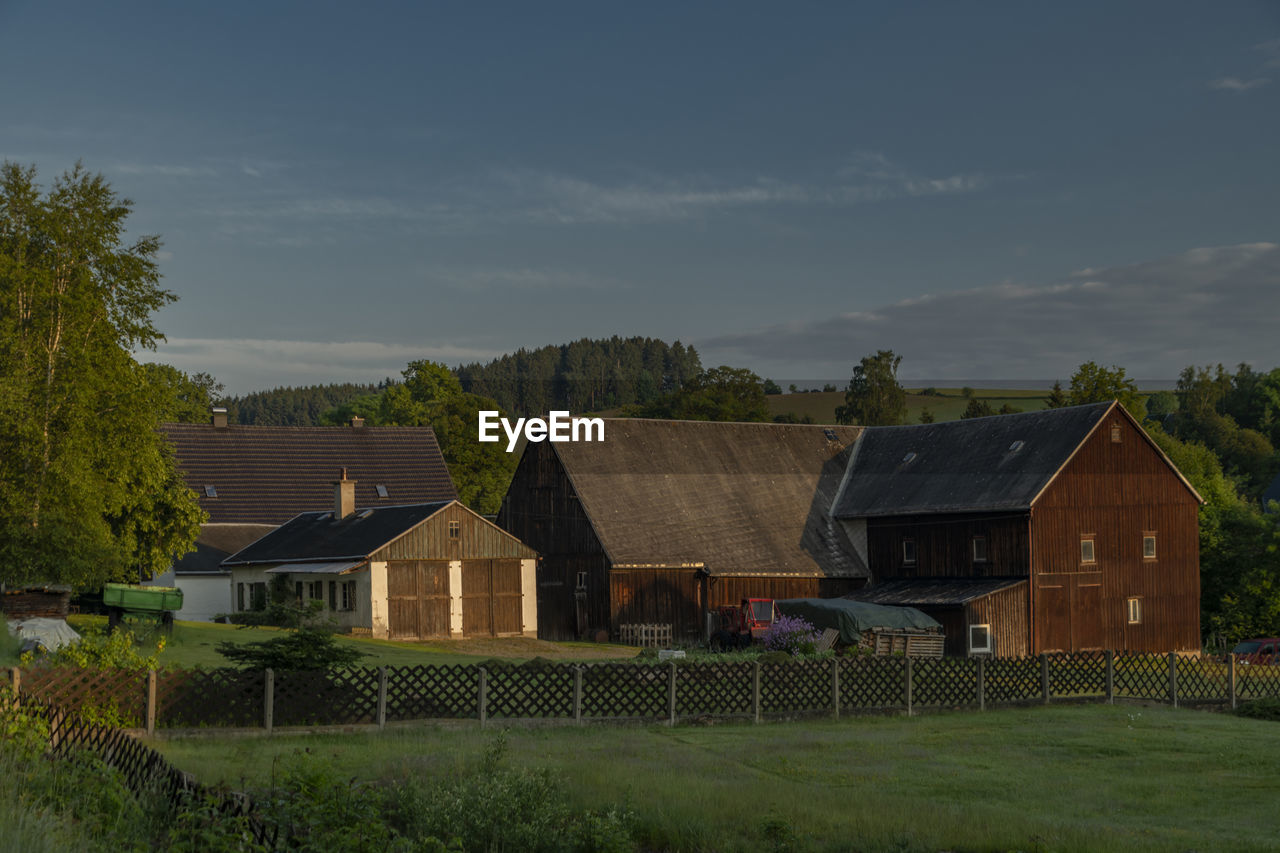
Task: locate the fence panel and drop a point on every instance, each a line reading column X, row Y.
column 1142, row 676
column 318, row 697
column 628, row 691
column 1202, row 680
column 530, row 691
column 799, row 687
column 714, row 689
column 209, row 697
column 433, row 692
column 72, row 689
column 1011, row 679
column 872, row 683
column 1257, row 682
column 1077, row 674
column 947, row 682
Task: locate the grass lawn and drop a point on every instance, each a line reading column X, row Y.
column 1087, row 777
column 194, row 644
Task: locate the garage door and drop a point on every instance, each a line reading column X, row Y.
column 491, row 598
column 418, row 599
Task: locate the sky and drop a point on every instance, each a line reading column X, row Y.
column 992, row 190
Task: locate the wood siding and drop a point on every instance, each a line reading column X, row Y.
column 1115, row 493
column 541, row 509
column 731, row 590
column 491, row 598
column 944, row 546
column 477, row 539
column 1008, row 614
column 418, row 599
column 658, row 596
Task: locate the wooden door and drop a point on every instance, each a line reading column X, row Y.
column 1069, row 611
column 508, row 599
column 417, row 599
column 477, row 598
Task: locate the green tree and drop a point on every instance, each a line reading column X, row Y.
column 1092, row 383
column 307, row 648
column 926, row 416
column 977, row 409
column 874, row 397
column 1057, row 398
column 771, row 387
column 180, row 397
column 88, row 488
column 1161, row 404
column 719, row 394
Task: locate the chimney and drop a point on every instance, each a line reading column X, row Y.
column 357, row 422
column 344, row 497
column 219, row 417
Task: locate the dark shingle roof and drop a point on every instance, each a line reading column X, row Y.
column 963, row 466
column 216, row 542
column 933, row 592
column 315, row 536
column 739, row 498
column 267, row 475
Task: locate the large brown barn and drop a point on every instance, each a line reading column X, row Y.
column 665, row 520
column 1059, row 530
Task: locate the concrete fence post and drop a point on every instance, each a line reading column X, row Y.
column 268, row 699
column 382, row 697
column 835, row 687
column 982, row 684
column 1111, row 677
column 1044, row 677
column 1231, row 680
column 906, row 676
column 577, row 695
column 755, row 691
column 482, row 697
column 1173, row 678
column 151, row 702
column 671, row 694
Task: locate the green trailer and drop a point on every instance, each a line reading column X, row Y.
column 155, row 604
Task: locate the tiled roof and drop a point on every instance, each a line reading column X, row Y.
column 739, row 498
column 215, row 543
column 269, row 474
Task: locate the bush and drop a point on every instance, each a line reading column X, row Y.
column 99, row 650
column 1261, row 709
column 792, row 634
column 303, row 649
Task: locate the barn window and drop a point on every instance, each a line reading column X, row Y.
column 1115, row 433
column 1135, row 611
column 979, row 549
column 1086, row 550
column 909, row 551
column 455, row 530
column 1148, row 546
column 979, row 639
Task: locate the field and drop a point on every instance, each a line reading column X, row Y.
column 194, row 644
column 946, row 404
column 1085, row 777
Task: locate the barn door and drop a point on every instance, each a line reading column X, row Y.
column 1069, row 611
column 477, row 598
column 508, row 600
column 417, row 599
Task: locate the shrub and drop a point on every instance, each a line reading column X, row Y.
column 1261, row 709
column 305, row 648
column 99, row 650
column 792, row 634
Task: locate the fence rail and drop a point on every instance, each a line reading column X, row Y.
column 640, row 692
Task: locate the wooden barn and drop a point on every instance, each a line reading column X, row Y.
column 1059, row 530
column 664, row 521
column 250, row 479
column 412, row 572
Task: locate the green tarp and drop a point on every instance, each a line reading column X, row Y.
column 851, row 618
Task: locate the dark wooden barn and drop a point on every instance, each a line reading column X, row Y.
column 1059, row 530
column 664, row 521
column 414, row 572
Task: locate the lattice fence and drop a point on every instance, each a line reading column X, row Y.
column 433, row 692
column 325, row 698
column 873, row 683
column 529, row 691
column 1257, row 682
column 1140, row 676
column 792, row 688
column 1011, row 679
column 209, row 697
column 944, row 682
column 715, row 690
column 625, row 691
column 73, row 688
column 1077, row 674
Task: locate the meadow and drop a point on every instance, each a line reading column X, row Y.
column 946, row 404
column 1067, row 777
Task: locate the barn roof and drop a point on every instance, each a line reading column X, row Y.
column 316, row 536
column 215, row 543
column 980, row 464
column 733, row 498
column 933, row 592
column 268, row 474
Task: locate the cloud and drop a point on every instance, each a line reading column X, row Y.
column 244, row 364
column 518, row 279
column 1235, row 84
column 1203, row 306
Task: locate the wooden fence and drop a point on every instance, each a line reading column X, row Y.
column 670, row 692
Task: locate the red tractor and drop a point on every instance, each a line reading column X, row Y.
column 738, row 626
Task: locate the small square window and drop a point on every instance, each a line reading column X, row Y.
column 381, row 490
column 210, row 491
column 1148, row 546
column 909, row 551
column 1086, row 551
column 1135, row 611
column 979, row 549
column 980, row 639
column 455, row 530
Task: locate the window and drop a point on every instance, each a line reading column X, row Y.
column 317, row 591
column 582, row 580
column 979, row 549
column 333, row 595
column 239, row 596
column 297, row 592
column 980, row 639
column 1148, row 546
column 1115, row 433
column 1135, row 611
column 349, row 595
column 257, row 596
column 381, row 490
column 455, row 530
column 1086, row 550
column 210, row 491
column 909, row 551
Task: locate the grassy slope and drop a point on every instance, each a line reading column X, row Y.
column 1054, row 778
column 194, row 644
column 946, row 407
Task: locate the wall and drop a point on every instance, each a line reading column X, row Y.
column 944, row 545
column 359, row 617
column 203, row 596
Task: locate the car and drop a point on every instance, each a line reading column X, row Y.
column 1260, row 651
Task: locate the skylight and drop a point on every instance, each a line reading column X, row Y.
column 1016, row 446
column 210, row 492
column 910, row 455
column 381, row 489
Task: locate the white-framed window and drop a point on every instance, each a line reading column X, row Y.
column 455, row 530
column 1135, row 610
column 1149, row 546
column 979, row 549
column 1087, row 554
column 908, row 551
column 980, row 639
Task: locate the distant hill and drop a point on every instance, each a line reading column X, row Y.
column 302, row 406
column 946, row 404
